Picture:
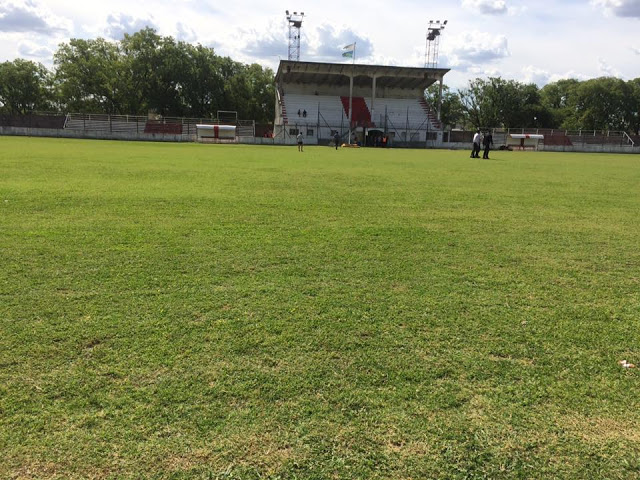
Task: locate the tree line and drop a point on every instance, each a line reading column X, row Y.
column 144, row 72
column 605, row 103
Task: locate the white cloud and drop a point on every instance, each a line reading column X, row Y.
column 185, row 33
column 475, row 49
column 607, row 70
column 30, row 17
column 531, row 74
column 487, row 7
column 620, row 8
column 541, row 77
column 327, row 43
column 119, row 24
column 37, row 51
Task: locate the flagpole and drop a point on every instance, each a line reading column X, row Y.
column 351, row 89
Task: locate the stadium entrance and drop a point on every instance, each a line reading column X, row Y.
column 364, row 103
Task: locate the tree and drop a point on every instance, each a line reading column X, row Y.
column 452, row 113
column 505, row 103
column 23, row 87
column 634, row 106
column 88, row 76
column 559, row 99
column 600, row 104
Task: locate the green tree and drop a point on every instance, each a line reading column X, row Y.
column 505, row 103
column 452, row 113
column 559, row 99
column 24, row 87
column 600, row 104
column 88, row 76
column 634, row 106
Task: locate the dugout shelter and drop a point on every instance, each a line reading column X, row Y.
column 315, row 99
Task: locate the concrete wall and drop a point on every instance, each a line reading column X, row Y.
column 559, row 148
column 281, row 140
column 590, row 148
column 59, row 133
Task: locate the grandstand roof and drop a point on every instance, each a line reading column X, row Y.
column 337, row 74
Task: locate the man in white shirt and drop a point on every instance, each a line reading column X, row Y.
column 477, row 140
column 299, row 137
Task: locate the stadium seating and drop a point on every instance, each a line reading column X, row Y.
column 361, row 115
column 329, row 107
column 403, row 112
column 333, row 111
column 154, row 126
column 557, row 139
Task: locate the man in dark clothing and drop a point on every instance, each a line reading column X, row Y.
column 336, row 139
column 488, row 143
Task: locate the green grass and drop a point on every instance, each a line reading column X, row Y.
column 189, row 311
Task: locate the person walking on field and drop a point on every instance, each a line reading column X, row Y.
column 336, row 139
column 488, row 143
column 299, row 137
column 477, row 138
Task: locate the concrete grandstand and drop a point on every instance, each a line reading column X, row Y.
column 314, row 98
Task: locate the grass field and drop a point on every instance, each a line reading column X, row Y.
column 189, row 311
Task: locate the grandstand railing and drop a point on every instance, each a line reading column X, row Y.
column 576, row 138
column 184, row 126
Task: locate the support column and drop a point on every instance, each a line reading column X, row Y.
column 373, row 98
column 350, row 102
column 440, row 100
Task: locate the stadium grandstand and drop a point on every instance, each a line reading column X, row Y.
column 386, row 102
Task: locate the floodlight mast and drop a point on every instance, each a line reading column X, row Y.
column 295, row 24
column 433, row 43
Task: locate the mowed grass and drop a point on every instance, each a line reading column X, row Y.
column 238, row 312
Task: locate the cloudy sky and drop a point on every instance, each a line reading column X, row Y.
column 528, row 41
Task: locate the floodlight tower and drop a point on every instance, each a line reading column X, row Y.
column 433, row 43
column 295, row 24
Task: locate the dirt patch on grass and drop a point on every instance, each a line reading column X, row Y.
column 602, row 430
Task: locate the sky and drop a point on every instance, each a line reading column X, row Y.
column 539, row 42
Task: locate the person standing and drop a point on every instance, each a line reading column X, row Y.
column 488, row 143
column 477, row 138
column 299, row 138
column 336, row 139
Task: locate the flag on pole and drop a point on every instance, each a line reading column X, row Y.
column 349, row 50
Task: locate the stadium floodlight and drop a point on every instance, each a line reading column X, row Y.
column 295, row 24
column 434, row 31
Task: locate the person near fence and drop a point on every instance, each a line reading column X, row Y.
column 487, row 141
column 477, row 139
column 336, row 139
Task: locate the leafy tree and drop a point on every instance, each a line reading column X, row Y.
column 634, row 106
column 559, row 99
column 452, row 113
column 505, row 103
column 600, row 104
column 88, row 76
column 24, row 87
